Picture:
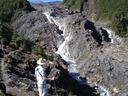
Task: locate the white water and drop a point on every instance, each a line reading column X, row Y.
column 52, row 20
column 72, row 68
column 63, row 49
column 109, row 34
column 47, row 14
column 102, row 91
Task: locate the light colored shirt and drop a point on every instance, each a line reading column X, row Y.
column 40, row 72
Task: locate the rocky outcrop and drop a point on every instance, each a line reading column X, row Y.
column 103, row 62
column 100, row 61
column 36, row 27
column 16, row 70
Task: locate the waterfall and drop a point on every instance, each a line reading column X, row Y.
column 47, row 14
column 109, row 34
column 63, row 51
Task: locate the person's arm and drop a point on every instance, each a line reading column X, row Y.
column 44, row 77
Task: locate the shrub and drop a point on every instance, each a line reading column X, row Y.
column 21, row 42
column 120, row 24
column 37, row 50
column 116, row 12
column 17, row 14
column 74, row 4
column 5, row 31
column 9, row 7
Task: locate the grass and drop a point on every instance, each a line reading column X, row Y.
column 116, row 12
column 73, row 4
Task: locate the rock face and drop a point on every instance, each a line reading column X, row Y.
column 17, row 72
column 36, row 27
column 103, row 62
column 98, row 60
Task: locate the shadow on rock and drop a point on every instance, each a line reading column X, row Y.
column 106, row 35
column 3, row 89
column 77, row 86
column 90, row 25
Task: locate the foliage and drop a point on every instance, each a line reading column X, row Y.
column 10, row 10
column 21, row 42
column 75, row 4
column 5, row 31
column 9, row 7
column 24, row 44
column 116, row 12
column 37, row 50
column 17, row 13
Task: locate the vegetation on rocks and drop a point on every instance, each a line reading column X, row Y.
column 10, row 10
column 111, row 10
column 10, row 7
column 116, row 12
column 37, row 50
column 24, row 44
column 75, row 4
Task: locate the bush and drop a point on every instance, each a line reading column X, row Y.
column 17, row 14
column 116, row 12
column 9, row 7
column 21, row 42
column 74, row 4
column 5, row 31
column 120, row 24
column 24, row 44
column 37, row 50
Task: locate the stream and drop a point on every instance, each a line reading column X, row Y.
column 63, row 51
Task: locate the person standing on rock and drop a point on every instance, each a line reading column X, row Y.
column 40, row 73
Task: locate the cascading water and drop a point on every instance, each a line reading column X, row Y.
column 102, row 91
column 63, row 51
column 109, row 34
column 47, row 14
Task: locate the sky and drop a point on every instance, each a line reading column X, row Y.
column 38, row 1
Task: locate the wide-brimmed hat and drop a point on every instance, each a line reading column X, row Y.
column 41, row 61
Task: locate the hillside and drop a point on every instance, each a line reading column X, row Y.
column 90, row 59
column 116, row 12
column 112, row 11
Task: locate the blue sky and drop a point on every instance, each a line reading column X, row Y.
column 38, row 1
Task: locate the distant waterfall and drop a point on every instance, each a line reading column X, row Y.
column 109, row 34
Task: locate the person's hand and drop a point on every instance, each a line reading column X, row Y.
column 53, row 78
